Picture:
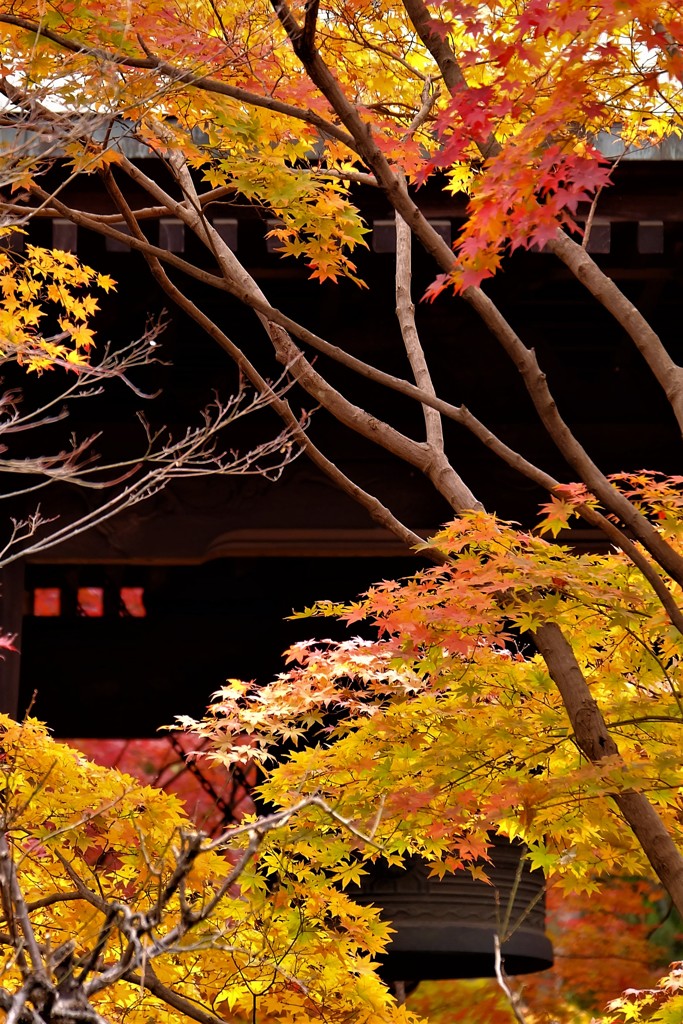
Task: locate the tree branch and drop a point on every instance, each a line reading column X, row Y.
column 375, row 508
column 204, row 83
column 190, row 1009
column 667, row 373
column 524, row 358
column 8, row 878
column 310, row 19
column 594, row 739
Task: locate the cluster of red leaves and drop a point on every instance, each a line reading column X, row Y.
column 540, row 82
column 206, row 788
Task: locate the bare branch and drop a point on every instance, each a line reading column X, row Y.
column 405, row 312
column 195, row 453
column 430, row 95
column 503, row 981
column 52, row 898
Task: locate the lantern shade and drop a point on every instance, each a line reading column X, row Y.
column 445, row 928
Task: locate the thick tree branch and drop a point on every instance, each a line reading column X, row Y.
column 670, row 866
column 249, row 292
column 537, row 386
column 310, row 20
column 10, row 884
column 167, row 995
column 446, row 61
column 595, row 741
column 611, row 498
column 52, row 898
column 667, row 373
column 245, row 289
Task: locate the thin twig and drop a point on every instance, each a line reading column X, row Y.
column 502, row 979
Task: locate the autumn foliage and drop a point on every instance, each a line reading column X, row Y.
column 453, row 658
column 438, row 728
column 447, row 726
column 515, row 121
column 515, row 686
column 46, row 283
column 115, row 909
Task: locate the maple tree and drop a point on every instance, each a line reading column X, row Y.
column 449, row 725
column 115, row 908
column 291, row 108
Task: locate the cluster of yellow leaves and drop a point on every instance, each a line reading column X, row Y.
column 283, row 943
column 314, row 217
column 46, row 286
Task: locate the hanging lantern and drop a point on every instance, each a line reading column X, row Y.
column 445, row 928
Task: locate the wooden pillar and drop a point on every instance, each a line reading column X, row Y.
column 11, row 615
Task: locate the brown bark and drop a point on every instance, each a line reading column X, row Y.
column 594, row 740
column 668, row 374
column 187, row 1007
column 524, row 358
column 259, row 304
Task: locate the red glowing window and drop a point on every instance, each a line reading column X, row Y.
column 133, row 602
column 47, row 602
column 91, row 602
